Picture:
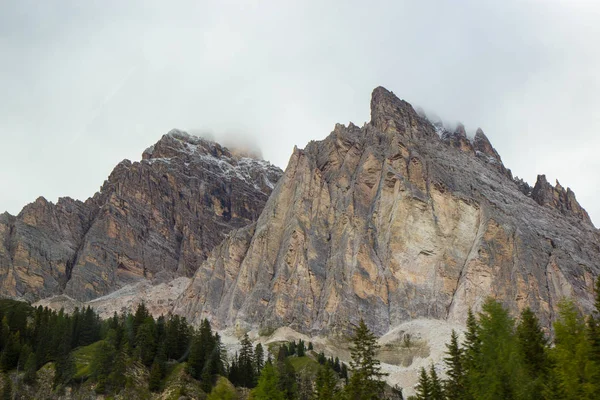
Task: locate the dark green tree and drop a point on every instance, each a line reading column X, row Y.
column 455, row 384
column 423, row 388
column 287, row 379
column 30, row 370
column 366, row 380
column 325, row 384
column 573, row 368
column 532, row 345
column 155, row 377
column 7, row 388
column 437, row 392
column 259, row 359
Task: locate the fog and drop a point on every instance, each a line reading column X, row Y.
column 87, row 84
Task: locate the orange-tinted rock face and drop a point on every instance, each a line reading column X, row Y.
column 390, row 222
column 156, row 219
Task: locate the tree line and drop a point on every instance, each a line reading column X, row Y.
column 504, row 358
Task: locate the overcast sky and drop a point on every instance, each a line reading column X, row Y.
column 85, row 84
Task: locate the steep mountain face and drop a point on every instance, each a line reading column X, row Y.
column 156, row 219
column 397, row 220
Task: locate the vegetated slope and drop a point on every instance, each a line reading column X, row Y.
column 397, row 220
column 156, row 219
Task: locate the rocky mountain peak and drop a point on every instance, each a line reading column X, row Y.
column 389, row 114
column 558, row 198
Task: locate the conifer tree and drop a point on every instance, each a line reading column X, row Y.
column 287, row 379
column 246, row 363
column 310, row 346
column 455, row 384
column 268, row 385
column 532, row 347
column 573, row 368
column 30, row 370
column 366, row 380
column 437, row 392
column 155, row 377
column 300, row 349
column 423, row 388
column 259, row 359
column 325, row 384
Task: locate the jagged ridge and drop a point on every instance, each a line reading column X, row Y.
column 156, row 219
column 392, row 222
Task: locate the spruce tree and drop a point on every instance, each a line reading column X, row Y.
column 155, row 377
column 532, row 348
column 268, row 385
column 437, row 392
column 287, row 378
column 325, row 384
column 455, row 384
column 30, row 370
column 259, row 359
column 573, row 368
column 366, row 380
column 423, row 388
column 246, row 363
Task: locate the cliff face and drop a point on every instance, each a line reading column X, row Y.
column 397, row 220
column 156, row 219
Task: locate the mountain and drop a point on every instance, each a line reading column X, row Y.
column 153, row 220
column 398, row 220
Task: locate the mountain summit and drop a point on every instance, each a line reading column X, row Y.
column 394, row 221
column 154, row 220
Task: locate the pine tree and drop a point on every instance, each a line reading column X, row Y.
column 30, row 369
column 499, row 370
column 573, row 368
column 455, row 384
column 155, row 377
column 423, row 388
column 287, row 379
column 366, row 381
column 300, row 349
column 246, row 363
column 268, row 385
column 310, row 346
column 437, row 392
column 472, row 344
column 532, row 348
column 117, row 379
column 259, row 359
column 325, row 384
column 145, row 341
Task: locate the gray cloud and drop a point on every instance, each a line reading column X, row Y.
column 86, row 84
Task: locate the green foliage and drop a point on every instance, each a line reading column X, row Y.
column 30, row 370
column 155, row 377
column 325, row 384
column 7, row 388
column 223, row 390
column 366, row 380
column 423, row 389
column 287, row 378
column 455, row 385
column 268, row 387
column 574, row 370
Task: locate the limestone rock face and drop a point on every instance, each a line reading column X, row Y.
column 558, row 198
column 390, row 222
column 152, row 220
